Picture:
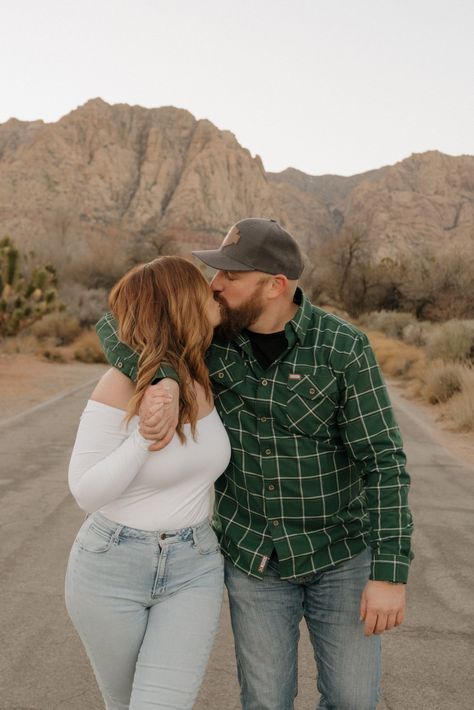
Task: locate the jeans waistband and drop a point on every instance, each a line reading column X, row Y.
column 123, row 531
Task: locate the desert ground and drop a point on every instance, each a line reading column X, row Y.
column 427, row 662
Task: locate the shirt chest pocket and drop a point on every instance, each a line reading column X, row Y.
column 312, row 403
column 228, row 384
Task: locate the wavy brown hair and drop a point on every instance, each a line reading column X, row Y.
column 161, row 312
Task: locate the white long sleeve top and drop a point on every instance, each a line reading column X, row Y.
column 112, row 471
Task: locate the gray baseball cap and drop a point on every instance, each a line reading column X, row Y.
column 256, row 244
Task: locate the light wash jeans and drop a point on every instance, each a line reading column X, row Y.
column 146, row 606
column 265, row 619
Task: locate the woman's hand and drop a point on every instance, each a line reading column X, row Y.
column 159, row 413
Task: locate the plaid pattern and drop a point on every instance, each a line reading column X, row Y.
column 317, row 470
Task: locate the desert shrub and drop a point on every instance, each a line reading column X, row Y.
column 21, row 344
column 397, row 359
column 87, row 304
column 391, row 323
column 452, row 341
column 88, row 348
column 92, row 306
column 53, row 355
column 417, row 333
column 96, row 264
column 461, row 408
column 62, row 327
column 443, row 382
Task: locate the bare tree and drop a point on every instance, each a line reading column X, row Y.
column 345, row 271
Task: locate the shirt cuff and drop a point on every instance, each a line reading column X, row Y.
column 165, row 371
column 389, row 568
column 141, row 443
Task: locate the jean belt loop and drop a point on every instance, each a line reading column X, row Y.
column 116, row 535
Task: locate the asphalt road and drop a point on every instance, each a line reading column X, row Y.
column 428, row 663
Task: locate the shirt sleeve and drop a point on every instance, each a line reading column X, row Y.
column 121, row 356
column 373, row 440
column 106, row 457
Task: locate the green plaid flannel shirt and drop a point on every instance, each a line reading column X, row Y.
column 317, row 469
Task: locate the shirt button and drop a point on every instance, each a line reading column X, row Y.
column 271, row 487
column 220, row 375
column 163, row 536
column 263, row 419
column 120, row 364
column 312, row 390
column 276, row 523
column 268, row 452
column 264, row 382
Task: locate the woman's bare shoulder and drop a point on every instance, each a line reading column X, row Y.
column 114, row 389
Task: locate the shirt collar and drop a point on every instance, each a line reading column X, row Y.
column 301, row 320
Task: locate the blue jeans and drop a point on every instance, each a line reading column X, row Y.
column 146, row 607
column 265, row 619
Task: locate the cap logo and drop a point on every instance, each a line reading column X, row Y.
column 233, row 237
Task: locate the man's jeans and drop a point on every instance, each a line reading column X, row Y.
column 265, row 619
column 146, row 609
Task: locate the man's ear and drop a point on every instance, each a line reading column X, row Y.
column 278, row 284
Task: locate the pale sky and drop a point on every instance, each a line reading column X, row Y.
column 325, row 86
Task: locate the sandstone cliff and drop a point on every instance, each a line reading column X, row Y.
column 105, row 176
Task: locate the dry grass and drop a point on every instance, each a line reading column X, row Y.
column 449, row 386
column 397, row 359
column 442, row 381
column 461, row 409
column 452, row 341
column 29, row 344
column 21, row 344
column 60, row 326
column 87, row 348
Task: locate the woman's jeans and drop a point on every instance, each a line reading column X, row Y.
column 266, row 615
column 146, row 606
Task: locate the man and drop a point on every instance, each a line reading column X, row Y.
column 312, row 510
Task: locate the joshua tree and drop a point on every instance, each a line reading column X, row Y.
column 23, row 299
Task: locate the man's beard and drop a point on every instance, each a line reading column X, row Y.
column 234, row 320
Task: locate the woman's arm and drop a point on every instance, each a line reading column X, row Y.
column 106, row 457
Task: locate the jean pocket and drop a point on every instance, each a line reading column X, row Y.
column 206, row 542
column 92, row 538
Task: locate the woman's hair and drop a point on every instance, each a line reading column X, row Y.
column 161, row 312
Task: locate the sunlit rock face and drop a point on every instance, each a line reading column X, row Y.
column 105, row 176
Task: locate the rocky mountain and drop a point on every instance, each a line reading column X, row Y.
column 426, row 198
column 104, row 177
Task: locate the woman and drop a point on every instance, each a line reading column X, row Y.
column 145, row 577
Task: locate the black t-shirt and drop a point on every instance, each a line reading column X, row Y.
column 267, row 346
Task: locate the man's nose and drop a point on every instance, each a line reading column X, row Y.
column 216, row 283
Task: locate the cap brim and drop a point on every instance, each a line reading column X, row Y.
column 218, row 260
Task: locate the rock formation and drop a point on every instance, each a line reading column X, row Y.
column 103, row 177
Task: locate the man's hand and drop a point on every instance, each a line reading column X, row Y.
column 382, row 606
column 159, row 413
